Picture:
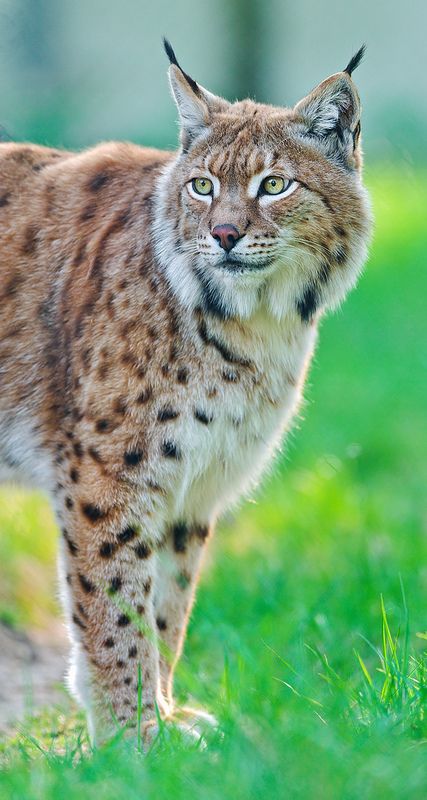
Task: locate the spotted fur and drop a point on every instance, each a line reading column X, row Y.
column 147, row 374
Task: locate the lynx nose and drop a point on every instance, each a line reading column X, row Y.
column 226, row 235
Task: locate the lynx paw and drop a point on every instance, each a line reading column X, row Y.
column 197, row 717
column 192, row 723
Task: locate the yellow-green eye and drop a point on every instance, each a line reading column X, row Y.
column 202, row 185
column 273, row 184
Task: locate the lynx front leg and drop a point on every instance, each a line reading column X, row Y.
column 109, row 577
column 178, row 569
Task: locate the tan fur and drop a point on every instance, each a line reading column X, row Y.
column 143, row 386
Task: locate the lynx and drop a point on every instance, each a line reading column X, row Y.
column 158, row 314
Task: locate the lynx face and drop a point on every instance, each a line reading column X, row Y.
column 265, row 204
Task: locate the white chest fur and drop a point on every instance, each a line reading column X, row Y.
column 226, row 457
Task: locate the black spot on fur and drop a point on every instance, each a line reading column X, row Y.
column 142, row 550
column 180, row 537
column 4, row 199
column 182, row 375
column 127, row 681
column 133, row 457
column 86, row 584
column 147, row 586
column 103, row 425
column 155, row 487
column 95, row 455
column 145, row 395
column 340, row 254
column 166, row 414
column 92, row 512
column 201, row 532
column 116, row 584
column 171, row 450
column 183, row 580
column 69, row 503
column 324, row 272
column 30, row 240
column 123, row 620
column 120, row 406
column 230, row 375
column 88, row 212
column 120, row 663
column 109, row 642
column 205, row 419
column 133, row 651
column 307, row 304
column 78, row 449
column 11, row 286
column 161, row 623
column 82, row 611
column 79, row 622
column 72, row 547
column 107, row 549
column 231, row 358
column 74, row 475
column 98, row 181
column 127, row 535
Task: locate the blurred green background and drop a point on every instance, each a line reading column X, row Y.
column 73, row 72
column 288, row 644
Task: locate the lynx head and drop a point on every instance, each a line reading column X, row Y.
column 264, row 206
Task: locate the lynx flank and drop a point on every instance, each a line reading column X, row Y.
column 158, row 314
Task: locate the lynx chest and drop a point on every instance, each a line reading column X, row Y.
column 230, row 421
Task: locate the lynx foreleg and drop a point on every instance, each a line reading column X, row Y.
column 109, row 583
column 178, row 569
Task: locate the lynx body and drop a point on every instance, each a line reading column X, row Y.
column 158, row 314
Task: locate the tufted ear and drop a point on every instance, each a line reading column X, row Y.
column 330, row 114
column 195, row 104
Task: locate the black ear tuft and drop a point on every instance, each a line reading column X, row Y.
column 355, row 61
column 173, row 60
column 170, row 52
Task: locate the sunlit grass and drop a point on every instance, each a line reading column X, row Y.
column 308, row 640
column 27, row 558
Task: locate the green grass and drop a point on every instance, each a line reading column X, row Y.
column 308, row 638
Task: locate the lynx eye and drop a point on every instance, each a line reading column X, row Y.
column 274, row 185
column 202, row 186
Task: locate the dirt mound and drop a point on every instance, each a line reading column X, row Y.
column 32, row 671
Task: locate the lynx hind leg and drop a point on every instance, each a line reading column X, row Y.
column 109, row 574
column 178, row 570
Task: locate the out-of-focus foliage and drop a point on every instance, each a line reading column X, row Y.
column 73, row 72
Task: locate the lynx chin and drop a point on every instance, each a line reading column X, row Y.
column 158, row 314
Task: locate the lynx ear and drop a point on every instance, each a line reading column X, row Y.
column 330, row 114
column 195, row 104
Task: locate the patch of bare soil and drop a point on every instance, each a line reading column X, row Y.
column 32, row 669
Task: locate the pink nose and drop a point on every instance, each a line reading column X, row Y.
column 226, row 235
